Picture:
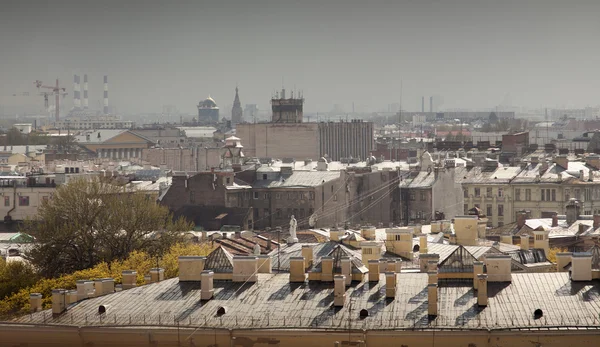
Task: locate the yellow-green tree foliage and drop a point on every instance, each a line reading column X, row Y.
column 141, row 262
column 93, row 221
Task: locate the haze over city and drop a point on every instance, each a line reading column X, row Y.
column 472, row 53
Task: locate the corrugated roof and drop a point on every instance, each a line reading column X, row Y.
column 273, row 303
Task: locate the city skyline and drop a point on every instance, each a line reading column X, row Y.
column 472, row 54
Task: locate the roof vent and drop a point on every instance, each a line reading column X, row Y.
column 538, row 313
column 221, row 310
column 364, row 313
column 102, row 309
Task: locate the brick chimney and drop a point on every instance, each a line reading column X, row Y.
column 59, row 301
column 506, row 239
column 525, row 242
column 327, row 269
column 374, row 270
column 206, row 285
column 424, row 261
column 347, row 270
column 245, row 268
column 390, row 285
column 297, row 270
column 498, row 267
column 157, row 274
column 308, row 254
column 477, row 270
column 482, row 297
column 264, row 264
column 572, row 211
column 432, row 299
column 554, row 220
column 35, row 301
column 129, row 279
column 521, row 218
column 581, row 266
column 562, row 161
column 190, row 268
column 422, row 243
column 339, row 290
column 562, row 259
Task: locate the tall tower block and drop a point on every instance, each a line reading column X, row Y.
column 287, row 110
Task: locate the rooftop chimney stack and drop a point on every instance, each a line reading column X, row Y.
column 105, row 110
column 482, row 297
column 206, row 285
column 581, row 267
column 308, row 254
column 525, row 242
column 498, row 267
column 390, row 285
column 129, row 279
column 245, row 268
column 521, row 218
column 190, row 268
column 562, row 259
column 374, row 270
column 432, row 299
column 59, row 301
column 346, row 265
column 85, row 92
column 554, row 220
column 423, row 243
column 477, row 270
column 339, row 291
column 157, row 274
column 35, row 301
column 326, row 269
column 297, row 274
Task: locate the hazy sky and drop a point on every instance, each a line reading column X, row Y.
column 473, row 53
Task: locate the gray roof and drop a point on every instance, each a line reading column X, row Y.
column 299, row 179
column 423, row 179
column 273, row 303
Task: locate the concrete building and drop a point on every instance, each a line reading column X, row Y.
column 190, row 159
column 115, row 144
column 286, row 110
column 92, row 122
column 334, row 140
column 208, row 111
column 432, row 193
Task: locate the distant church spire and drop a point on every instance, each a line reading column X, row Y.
column 236, row 110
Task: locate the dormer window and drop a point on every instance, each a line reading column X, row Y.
column 264, row 176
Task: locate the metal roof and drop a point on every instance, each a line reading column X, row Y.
column 273, row 303
column 299, row 179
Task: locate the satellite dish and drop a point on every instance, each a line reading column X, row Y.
column 312, row 221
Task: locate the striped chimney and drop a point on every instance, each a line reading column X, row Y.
column 76, row 103
column 105, row 94
column 85, row 92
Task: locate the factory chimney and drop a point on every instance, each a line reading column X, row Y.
column 431, row 104
column 85, row 92
column 105, row 94
column 423, row 104
column 76, row 93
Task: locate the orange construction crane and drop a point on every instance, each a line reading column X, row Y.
column 57, row 91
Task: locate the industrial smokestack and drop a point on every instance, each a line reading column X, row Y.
column 105, row 94
column 431, row 104
column 423, row 104
column 76, row 93
column 85, row 92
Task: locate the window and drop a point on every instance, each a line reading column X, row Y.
column 7, row 201
column 301, row 213
column 466, row 193
column 517, row 194
column 528, row 194
column 228, row 180
column 500, row 210
column 500, row 224
column 423, row 198
column 335, row 197
column 277, row 196
column 266, row 196
column 543, row 197
column 587, row 194
column 278, row 213
column 311, row 195
column 577, row 194
column 264, row 176
column 332, row 188
column 567, row 194
column 302, row 195
column 539, row 237
column 500, row 192
column 266, row 212
column 488, row 192
column 477, row 192
column 23, row 200
column 367, row 250
column 489, row 210
column 295, row 212
column 289, row 212
column 397, row 237
column 466, row 208
column 255, row 195
column 311, row 211
column 588, row 212
column 412, row 196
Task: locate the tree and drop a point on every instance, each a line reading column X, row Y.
column 92, row 221
column 14, row 276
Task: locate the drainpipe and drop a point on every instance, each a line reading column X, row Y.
column 8, row 218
